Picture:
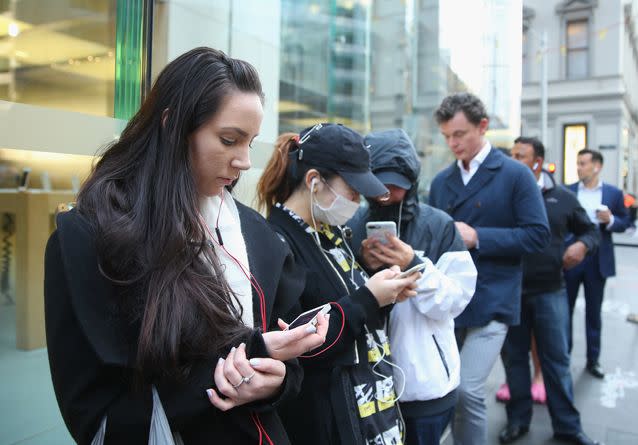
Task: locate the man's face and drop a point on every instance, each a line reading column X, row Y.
column 463, row 137
column 396, row 195
column 524, row 153
column 586, row 167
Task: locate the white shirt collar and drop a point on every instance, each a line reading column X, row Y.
column 479, row 158
column 541, row 181
column 598, row 186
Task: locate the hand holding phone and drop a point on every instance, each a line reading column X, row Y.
column 294, row 340
column 309, row 317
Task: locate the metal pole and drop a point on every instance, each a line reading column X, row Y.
column 543, row 54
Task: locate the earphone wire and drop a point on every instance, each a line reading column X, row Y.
column 251, row 278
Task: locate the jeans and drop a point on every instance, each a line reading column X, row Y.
column 547, row 316
column 479, row 348
column 427, row 430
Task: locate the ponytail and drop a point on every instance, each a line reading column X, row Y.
column 275, row 184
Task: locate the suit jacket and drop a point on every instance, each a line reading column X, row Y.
column 503, row 203
column 612, row 198
column 91, row 346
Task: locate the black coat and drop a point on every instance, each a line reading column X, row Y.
column 543, row 271
column 91, row 346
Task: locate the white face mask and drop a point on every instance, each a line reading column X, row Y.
column 337, row 214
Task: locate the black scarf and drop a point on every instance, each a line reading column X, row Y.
column 391, row 212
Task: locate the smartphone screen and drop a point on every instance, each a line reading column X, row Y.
column 307, row 316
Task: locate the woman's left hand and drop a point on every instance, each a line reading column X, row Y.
column 243, row 381
column 285, row 345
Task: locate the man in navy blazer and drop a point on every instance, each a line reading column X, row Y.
column 605, row 206
column 500, row 215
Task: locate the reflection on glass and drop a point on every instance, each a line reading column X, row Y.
column 324, row 71
column 375, row 65
column 58, row 54
column 575, row 139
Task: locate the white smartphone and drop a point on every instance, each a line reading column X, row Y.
column 410, row 271
column 309, row 316
column 379, row 230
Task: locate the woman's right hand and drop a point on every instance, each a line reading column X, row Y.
column 287, row 344
column 243, row 381
column 386, row 288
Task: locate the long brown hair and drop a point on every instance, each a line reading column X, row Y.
column 142, row 198
column 283, row 175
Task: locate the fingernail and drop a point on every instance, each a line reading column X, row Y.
column 254, row 362
column 311, row 329
column 209, row 392
column 220, row 361
column 233, row 349
column 243, row 345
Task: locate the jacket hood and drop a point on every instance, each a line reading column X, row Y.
column 393, row 151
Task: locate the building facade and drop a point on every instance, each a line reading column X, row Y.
column 592, row 83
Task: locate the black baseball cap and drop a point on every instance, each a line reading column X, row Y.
column 342, row 150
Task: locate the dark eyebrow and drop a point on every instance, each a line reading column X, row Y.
column 238, row 130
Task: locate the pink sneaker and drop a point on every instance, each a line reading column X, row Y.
column 538, row 393
column 503, row 393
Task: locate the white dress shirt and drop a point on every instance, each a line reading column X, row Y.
column 591, row 199
column 475, row 163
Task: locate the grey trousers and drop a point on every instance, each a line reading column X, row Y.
column 480, row 348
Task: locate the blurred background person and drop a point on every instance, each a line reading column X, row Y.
column 605, row 207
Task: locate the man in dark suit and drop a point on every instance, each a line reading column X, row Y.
column 605, row 206
column 500, row 215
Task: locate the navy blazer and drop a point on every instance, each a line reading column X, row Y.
column 504, row 204
column 612, row 198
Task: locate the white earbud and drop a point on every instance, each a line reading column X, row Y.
column 535, row 166
column 312, row 184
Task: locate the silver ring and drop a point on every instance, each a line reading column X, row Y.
column 249, row 378
column 241, row 382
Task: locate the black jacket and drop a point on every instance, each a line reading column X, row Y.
column 543, row 271
column 326, row 410
column 91, row 346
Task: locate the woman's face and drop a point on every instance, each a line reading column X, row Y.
column 220, row 148
column 326, row 195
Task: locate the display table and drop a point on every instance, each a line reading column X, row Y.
column 34, row 221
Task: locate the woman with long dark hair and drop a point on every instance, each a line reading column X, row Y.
column 159, row 278
column 310, row 188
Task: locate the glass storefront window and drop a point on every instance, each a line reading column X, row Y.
column 59, row 54
column 574, row 140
